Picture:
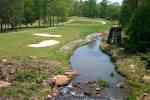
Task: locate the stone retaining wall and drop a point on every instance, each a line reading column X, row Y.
column 69, row 47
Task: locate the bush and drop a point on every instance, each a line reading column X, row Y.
column 103, row 83
column 138, row 29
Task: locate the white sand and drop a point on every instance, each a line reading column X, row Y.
column 45, row 43
column 47, row 35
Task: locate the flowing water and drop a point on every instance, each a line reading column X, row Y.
column 92, row 64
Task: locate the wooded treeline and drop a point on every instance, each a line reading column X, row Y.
column 135, row 19
column 90, row 8
column 14, row 13
column 18, row 13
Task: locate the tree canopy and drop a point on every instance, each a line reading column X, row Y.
column 15, row 13
column 135, row 20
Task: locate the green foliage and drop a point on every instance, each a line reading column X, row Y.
column 33, row 87
column 18, row 12
column 126, row 13
column 135, row 92
column 103, row 83
column 61, row 71
column 23, row 90
column 92, row 9
column 16, row 15
column 135, row 20
column 139, row 27
column 29, row 13
column 29, row 75
column 103, row 7
column 12, row 93
column 61, row 10
column 113, row 11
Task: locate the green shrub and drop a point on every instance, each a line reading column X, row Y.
column 30, row 75
column 33, row 87
column 103, row 83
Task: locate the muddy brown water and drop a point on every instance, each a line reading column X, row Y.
column 92, row 64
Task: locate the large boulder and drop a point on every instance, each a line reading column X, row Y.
column 71, row 73
column 61, row 80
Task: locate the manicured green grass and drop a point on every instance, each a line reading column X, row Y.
column 15, row 44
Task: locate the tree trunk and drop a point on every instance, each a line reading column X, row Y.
column 1, row 27
column 53, row 21
column 8, row 26
column 44, row 21
column 26, row 25
column 50, row 20
column 20, row 26
column 57, row 21
column 39, row 22
column 12, row 26
column 136, row 3
column 5, row 26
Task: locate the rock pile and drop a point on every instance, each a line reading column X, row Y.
column 11, row 66
column 60, row 80
column 79, row 90
column 68, row 48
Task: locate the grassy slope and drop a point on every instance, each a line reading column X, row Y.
column 14, row 44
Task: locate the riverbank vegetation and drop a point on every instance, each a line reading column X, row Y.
column 132, row 57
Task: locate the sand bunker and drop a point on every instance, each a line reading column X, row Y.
column 45, row 43
column 47, row 35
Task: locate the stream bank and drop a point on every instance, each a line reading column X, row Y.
column 133, row 67
column 92, row 64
